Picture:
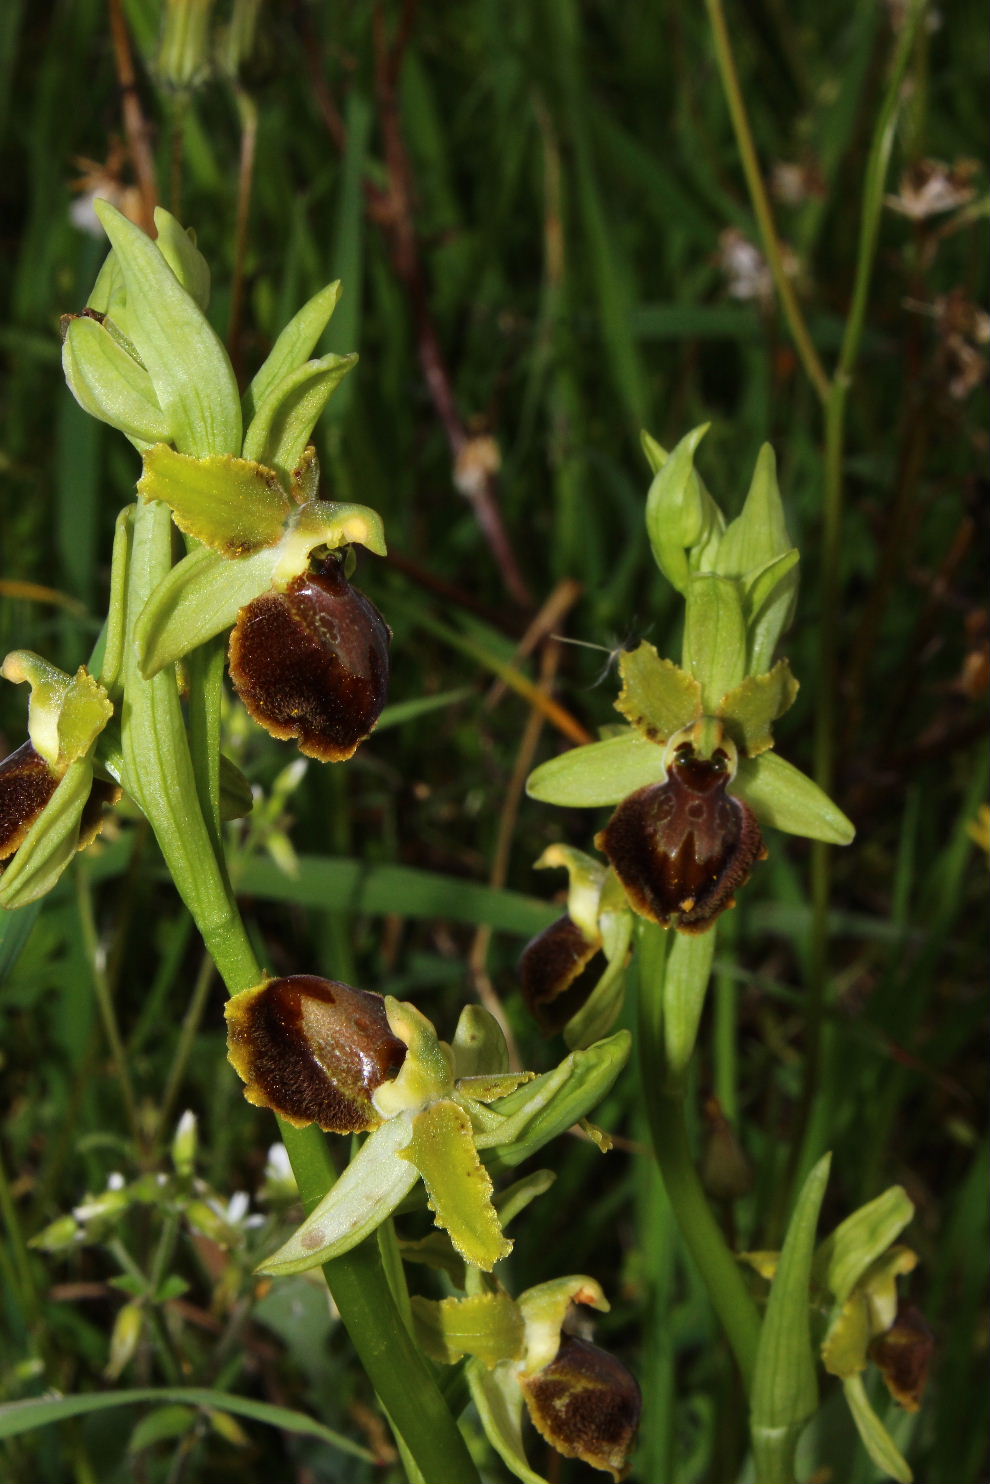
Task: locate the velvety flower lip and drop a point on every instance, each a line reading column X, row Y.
column 682, row 847
column 27, row 783
column 556, row 972
column 314, row 1050
column 312, row 662
column 586, row 1404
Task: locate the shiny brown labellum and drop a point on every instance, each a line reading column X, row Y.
column 682, row 847
column 586, row 1404
column 26, row 785
column 557, row 972
column 904, row 1354
column 314, row 1050
column 312, row 662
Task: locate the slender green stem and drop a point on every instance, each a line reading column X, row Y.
column 104, row 1000
column 188, row 1032
column 804, row 345
column 704, row 1240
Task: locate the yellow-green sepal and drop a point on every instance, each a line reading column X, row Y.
column 280, row 429
column 109, row 384
column 599, row 773
column 488, row 1326
column 293, row 346
column 782, row 796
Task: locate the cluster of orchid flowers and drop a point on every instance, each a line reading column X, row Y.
column 690, row 774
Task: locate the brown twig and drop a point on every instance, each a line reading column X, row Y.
column 135, row 124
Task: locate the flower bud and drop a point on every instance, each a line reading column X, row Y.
column 725, row 1171
column 586, row 1404
column 557, row 972
column 312, row 662
column 313, row 1050
column 27, row 783
column 682, row 847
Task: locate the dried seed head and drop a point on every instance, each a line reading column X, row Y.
column 27, row 783
column 682, row 847
column 586, row 1404
column 314, row 1050
column 904, row 1354
column 557, row 972
column 312, row 662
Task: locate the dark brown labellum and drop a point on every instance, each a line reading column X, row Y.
column 27, row 783
column 904, row 1354
column 314, row 1050
column 558, row 971
column 586, row 1404
column 312, row 662
column 682, row 847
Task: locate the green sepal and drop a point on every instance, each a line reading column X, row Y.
column 488, row 1326
column 555, row 1101
column 584, row 888
column 479, row 1044
column 683, row 522
column 857, row 1242
column 66, row 713
column 499, row 1403
column 714, row 637
column 280, row 429
column 876, row 1439
column 177, row 245
column 232, row 505
column 189, row 368
column 293, row 346
column 109, row 384
column 600, row 1010
column 368, row 1191
column 544, row 1309
column 785, row 1388
column 751, row 708
column 657, row 696
column 51, row 842
column 782, row 796
column 458, row 1186
column 599, row 773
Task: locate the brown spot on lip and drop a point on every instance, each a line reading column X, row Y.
column 314, row 1050
column 312, row 662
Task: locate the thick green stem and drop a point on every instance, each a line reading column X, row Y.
column 664, row 1105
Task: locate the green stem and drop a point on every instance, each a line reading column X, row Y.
column 104, row 1000
column 170, row 785
column 702, row 1236
column 814, row 369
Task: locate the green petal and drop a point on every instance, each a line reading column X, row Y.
column 368, row 1191
column 189, row 368
column 488, row 1326
column 293, row 346
column 657, row 696
column 280, row 429
column 750, row 710
column 782, row 796
column 232, row 505
column 457, row 1183
column 600, row 773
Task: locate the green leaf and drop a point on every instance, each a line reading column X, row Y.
column 876, row 1439
column 844, row 1257
column 24, row 1416
column 498, row 1399
column 161, row 1426
column 488, row 1326
column 685, row 984
column 198, row 598
column 785, row 1389
column 109, row 384
column 51, row 843
column 233, row 505
column 178, row 247
column 189, row 368
column 787, row 799
column 657, row 696
column 714, row 637
column 457, row 1183
column 600, row 773
column 293, row 346
column 750, row 710
column 368, row 1191
column 280, row 429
